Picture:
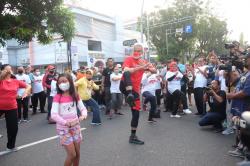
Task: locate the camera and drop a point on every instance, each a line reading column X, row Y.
column 229, row 45
column 208, row 88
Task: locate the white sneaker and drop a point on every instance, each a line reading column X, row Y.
column 11, row 150
column 187, row 111
column 228, row 131
column 175, row 116
column 1, row 135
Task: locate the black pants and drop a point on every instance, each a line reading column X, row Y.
column 177, row 97
column 158, row 96
column 12, row 126
column 184, row 96
column 42, row 100
column 198, row 97
column 107, row 98
column 135, row 118
column 50, row 100
column 23, row 104
column 152, row 99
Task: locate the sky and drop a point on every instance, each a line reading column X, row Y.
column 234, row 12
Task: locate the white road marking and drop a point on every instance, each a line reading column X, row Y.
column 32, row 144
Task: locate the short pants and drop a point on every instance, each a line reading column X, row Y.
column 70, row 135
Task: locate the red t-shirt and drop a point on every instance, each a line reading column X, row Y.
column 8, row 93
column 136, row 77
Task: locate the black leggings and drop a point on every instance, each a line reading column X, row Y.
column 135, row 118
column 158, row 96
column 12, row 126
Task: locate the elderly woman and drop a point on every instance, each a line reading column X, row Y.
column 8, row 104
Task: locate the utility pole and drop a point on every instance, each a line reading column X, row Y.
column 142, row 6
column 167, row 39
column 69, row 55
column 148, row 39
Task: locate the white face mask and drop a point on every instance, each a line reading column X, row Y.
column 38, row 73
column 64, row 86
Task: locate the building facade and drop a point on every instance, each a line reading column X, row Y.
column 97, row 38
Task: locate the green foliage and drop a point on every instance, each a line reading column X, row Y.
column 209, row 32
column 25, row 19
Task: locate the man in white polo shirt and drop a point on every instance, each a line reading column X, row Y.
column 38, row 91
column 200, row 82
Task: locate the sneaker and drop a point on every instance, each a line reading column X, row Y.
column 26, row 120
column 236, row 153
column 151, row 120
column 228, row 131
column 19, row 121
column 130, row 100
column 1, row 135
column 95, row 124
column 11, row 150
column 198, row 114
column 187, row 111
column 175, row 116
column 135, row 140
column 119, row 113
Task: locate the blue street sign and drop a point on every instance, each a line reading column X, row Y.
column 188, row 28
column 91, row 60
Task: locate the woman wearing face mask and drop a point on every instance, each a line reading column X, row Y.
column 8, row 104
column 64, row 113
column 22, row 103
column 85, row 86
column 38, row 91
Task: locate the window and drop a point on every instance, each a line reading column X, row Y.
column 94, row 45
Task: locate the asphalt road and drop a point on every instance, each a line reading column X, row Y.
column 169, row 142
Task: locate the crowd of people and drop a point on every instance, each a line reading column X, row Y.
column 221, row 96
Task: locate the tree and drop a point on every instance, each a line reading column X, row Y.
column 211, row 34
column 180, row 14
column 25, row 19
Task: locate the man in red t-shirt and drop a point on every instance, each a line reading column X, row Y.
column 134, row 67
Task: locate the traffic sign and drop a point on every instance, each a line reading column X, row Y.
column 188, row 28
column 129, row 42
column 179, row 30
column 91, row 60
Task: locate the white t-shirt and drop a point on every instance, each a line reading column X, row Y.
column 175, row 84
column 53, row 91
column 25, row 78
column 149, row 83
column 73, row 77
column 200, row 80
column 222, row 80
column 115, row 85
column 159, row 80
column 37, row 85
column 190, row 76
